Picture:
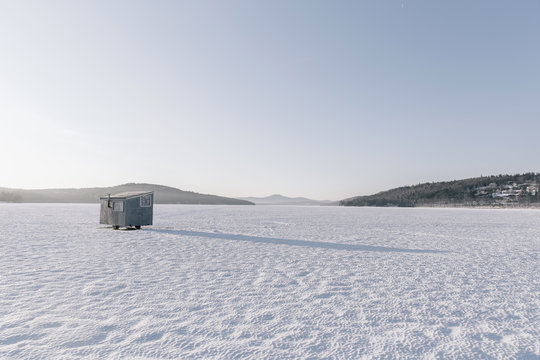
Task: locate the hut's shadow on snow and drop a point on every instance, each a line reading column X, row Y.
column 305, row 243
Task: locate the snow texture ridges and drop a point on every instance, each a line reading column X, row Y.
column 229, row 282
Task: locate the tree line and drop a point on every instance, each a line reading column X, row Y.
column 496, row 190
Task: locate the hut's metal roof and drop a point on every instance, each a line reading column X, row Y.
column 127, row 194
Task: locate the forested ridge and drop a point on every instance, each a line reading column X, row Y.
column 496, row 190
column 163, row 195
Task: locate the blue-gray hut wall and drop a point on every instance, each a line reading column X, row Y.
column 137, row 215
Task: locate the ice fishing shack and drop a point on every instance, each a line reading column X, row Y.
column 127, row 209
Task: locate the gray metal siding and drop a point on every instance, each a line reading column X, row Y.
column 110, row 217
column 137, row 215
column 132, row 215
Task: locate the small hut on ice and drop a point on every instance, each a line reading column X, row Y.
column 127, row 209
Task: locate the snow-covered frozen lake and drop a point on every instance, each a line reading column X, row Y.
column 231, row 282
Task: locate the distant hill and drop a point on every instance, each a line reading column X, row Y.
column 499, row 190
column 284, row 200
column 162, row 194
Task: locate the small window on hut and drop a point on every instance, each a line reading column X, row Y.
column 118, row 206
column 146, row 200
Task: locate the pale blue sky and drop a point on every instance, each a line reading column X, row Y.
column 323, row 99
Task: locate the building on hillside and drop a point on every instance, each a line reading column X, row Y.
column 127, row 209
column 532, row 189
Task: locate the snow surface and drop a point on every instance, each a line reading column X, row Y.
column 230, row 282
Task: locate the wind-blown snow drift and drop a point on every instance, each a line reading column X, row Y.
column 270, row 282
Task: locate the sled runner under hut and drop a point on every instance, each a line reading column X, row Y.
column 131, row 209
